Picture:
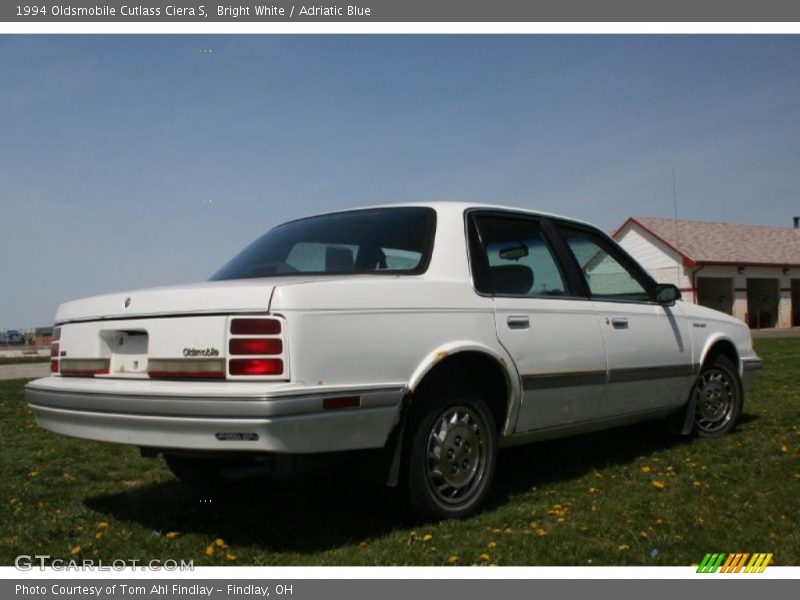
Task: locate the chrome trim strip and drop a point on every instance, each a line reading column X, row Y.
column 650, row 373
column 539, row 381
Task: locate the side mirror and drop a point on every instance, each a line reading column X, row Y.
column 667, row 294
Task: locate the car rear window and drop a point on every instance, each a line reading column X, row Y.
column 373, row 241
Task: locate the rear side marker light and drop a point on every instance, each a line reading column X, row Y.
column 255, row 346
column 255, row 326
column 341, row 402
column 84, row 367
column 54, row 366
column 255, row 366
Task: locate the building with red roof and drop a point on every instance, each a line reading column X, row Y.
column 749, row 271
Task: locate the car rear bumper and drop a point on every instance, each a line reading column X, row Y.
column 283, row 419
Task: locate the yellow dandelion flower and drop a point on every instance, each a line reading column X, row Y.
column 219, row 542
column 659, row 521
column 413, row 534
column 644, row 535
column 75, row 550
column 593, row 490
column 659, row 485
column 427, row 537
column 541, row 532
column 171, row 535
column 784, row 448
column 453, row 560
column 623, row 547
column 697, row 484
column 645, row 468
column 364, row 544
column 230, row 556
column 491, row 545
column 98, row 535
column 534, row 525
column 33, row 473
column 485, row 557
column 102, row 525
column 209, row 550
column 509, row 530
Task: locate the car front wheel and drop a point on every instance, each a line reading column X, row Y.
column 452, row 455
column 718, row 398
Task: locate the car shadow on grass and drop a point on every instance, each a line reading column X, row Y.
column 302, row 514
column 326, row 510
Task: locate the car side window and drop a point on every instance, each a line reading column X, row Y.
column 515, row 259
column 605, row 273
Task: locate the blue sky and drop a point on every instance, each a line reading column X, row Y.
column 131, row 161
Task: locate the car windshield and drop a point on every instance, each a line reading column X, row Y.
column 383, row 240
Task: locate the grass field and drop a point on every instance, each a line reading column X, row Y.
column 19, row 360
column 633, row 496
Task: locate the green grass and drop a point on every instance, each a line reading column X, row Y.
column 18, row 360
column 577, row 501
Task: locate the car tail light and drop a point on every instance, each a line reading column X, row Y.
column 255, row 366
column 255, row 346
column 186, row 368
column 84, row 367
column 255, row 326
column 54, row 350
column 262, row 341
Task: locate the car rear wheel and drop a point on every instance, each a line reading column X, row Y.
column 452, row 455
column 718, row 398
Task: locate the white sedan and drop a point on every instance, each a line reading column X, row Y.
column 416, row 338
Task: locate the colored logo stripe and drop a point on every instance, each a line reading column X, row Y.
column 733, row 563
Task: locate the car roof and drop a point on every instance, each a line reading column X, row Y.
column 450, row 207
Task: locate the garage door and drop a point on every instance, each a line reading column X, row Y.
column 716, row 293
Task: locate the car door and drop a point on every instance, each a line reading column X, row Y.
column 648, row 344
column 553, row 337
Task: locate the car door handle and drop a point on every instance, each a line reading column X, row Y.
column 518, row 322
column 619, row 322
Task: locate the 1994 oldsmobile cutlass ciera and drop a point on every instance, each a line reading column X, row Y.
column 421, row 336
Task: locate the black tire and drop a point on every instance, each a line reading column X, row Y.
column 718, row 398
column 201, row 474
column 455, row 484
